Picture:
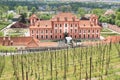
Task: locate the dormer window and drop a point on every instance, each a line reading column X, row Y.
column 58, row 19
column 91, row 25
column 38, row 25
column 73, row 18
column 65, row 18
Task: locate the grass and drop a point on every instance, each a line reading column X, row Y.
column 105, row 30
column 109, row 34
column 7, row 48
column 76, row 62
column 3, row 25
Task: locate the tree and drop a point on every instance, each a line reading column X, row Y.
column 22, row 18
column 117, row 22
column 1, row 33
column 81, row 12
column 33, row 10
column 48, row 8
column 55, row 9
column 98, row 12
column 118, row 16
column 10, row 16
column 103, row 19
column 117, row 19
column 65, row 8
column 19, row 9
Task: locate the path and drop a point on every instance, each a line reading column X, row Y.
column 5, row 29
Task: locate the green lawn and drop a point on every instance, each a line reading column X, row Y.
column 3, row 25
column 71, row 64
column 105, row 30
column 108, row 34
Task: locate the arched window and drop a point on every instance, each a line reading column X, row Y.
column 65, row 25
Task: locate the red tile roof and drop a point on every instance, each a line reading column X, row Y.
column 65, row 16
column 42, row 24
column 19, row 41
column 113, row 39
column 19, row 25
column 33, row 16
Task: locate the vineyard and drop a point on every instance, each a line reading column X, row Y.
column 101, row 62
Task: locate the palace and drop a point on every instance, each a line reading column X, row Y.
column 63, row 25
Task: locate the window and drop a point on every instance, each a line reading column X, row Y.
column 65, row 18
column 84, row 35
column 75, row 36
column 71, row 30
column 97, row 31
column 32, row 31
column 71, row 25
column 37, row 31
column 51, row 36
column 60, row 25
column 60, row 31
column 46, row 31
column 55, row 25
column 75, row 25
column 37, row 36
column 60, row 36
column 65, row 25
column 88, row 36
column 55, row 30
column 93, row 36
column 57, row 18
column 46, row 36
column 41, row 36
column 42, row 31
column 80, row 31
column 56, row 37
column 84, row 31
column 73, row 18
column 93, row 31
column 65, row 30
column 97, row 35
column 75, row 30
column 88, row 31
column 79, row 36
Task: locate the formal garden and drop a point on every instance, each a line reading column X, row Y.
column 101, row 62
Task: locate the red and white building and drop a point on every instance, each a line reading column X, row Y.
column 64, row 24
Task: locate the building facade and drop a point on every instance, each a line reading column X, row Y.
column 63, row 25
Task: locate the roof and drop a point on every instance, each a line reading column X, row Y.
column 33, row 16
column 19, row 25
column 65, row 16
column 42, row 24
column 19, row 41
column 87, row 24
column 113, row 39
column 109, row 12
column 17, row 16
